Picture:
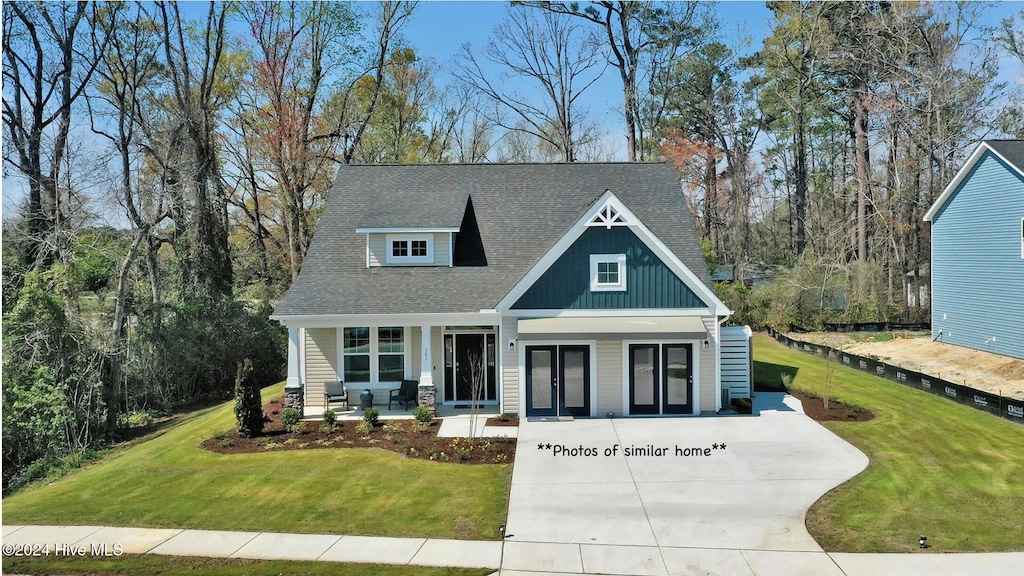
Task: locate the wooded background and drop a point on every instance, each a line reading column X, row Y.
column 212, row 138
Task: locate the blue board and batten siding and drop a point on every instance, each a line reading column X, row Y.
column 649, row 282
column 977, row 269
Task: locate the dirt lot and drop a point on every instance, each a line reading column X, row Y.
column 981, row 370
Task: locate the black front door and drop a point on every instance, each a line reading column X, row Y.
column 558, row 380
column 660, row 379
column 470, row 365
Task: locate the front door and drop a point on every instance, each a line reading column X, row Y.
column 558, row 380
column 469, row 361
column 660, row 379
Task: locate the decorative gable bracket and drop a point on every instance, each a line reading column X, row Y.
column 611, row 213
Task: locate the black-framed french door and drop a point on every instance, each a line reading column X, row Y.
column 558, row 380
column 468, row 356
column 660, row 378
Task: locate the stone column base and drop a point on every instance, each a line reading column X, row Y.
column 427, row 396
column 293, row 397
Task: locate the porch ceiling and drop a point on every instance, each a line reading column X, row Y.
column 617, row 325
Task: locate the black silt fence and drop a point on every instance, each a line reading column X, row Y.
column 1011, row 409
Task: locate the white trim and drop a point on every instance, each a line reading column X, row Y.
column 302, row 364
column 590, row 344
column 983, row 147
column 407, row 336
column 451, row 249
column 695, row 347
column 1022, row 238
column 609, row 215
column 625, row 312
column 367, row 250
column 333, row 320
column 339, row 353
column 641, row 231
column 595, row 284
column 499, row 366
column 390, row 239
column 404, row 230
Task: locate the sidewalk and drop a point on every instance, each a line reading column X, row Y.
column 511, row 557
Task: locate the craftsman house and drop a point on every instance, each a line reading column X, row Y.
column 567, row 289
column 977, row 267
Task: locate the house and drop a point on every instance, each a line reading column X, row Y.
column 564, row 289
column 977, row 266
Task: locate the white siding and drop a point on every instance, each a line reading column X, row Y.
column 379, row 250
column 708, row 387
column 321, row 362
column 736, row 362
column 609, row 377
column 509, row 365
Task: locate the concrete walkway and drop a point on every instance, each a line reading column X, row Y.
column 513, row 558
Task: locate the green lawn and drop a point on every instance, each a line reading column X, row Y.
column 168, row 481
column 187, row 566
column 937, row 468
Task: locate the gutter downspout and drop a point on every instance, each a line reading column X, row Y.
column 718, row 360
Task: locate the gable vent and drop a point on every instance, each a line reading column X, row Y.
column 609, row 215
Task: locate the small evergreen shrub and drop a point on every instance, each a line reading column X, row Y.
column 364, row 427
column 289, row 418
column 301, row 428
column 329, row 419
column 423, row 414
column 248, row 411
column 371, row 415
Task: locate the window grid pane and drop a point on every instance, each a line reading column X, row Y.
column 400, row 248
column 390, row 340
column 357, row 368
column 607, row 272
column 419, row 247
column 357, row 340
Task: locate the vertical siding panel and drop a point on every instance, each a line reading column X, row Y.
column 977, row 270
column 321, row 362
column 378, row 250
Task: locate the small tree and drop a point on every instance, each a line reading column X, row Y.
column 476, row 382
column 248, row 410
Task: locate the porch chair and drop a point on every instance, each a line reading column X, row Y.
column 407, row 394
column 335, row 392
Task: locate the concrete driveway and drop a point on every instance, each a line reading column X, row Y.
column 727, row 483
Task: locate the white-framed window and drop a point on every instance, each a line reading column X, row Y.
column 356, row 350
column 390, row 354
column 607, row 272
column 1022, row 238
column 410, row 248
column 373, row 354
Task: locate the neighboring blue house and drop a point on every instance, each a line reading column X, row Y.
column 978, row 252
column 569, row 289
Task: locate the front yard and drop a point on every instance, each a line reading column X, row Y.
column 937, row 468
column 169, row 481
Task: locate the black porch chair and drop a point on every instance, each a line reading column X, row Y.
column 407, row 394
column 335, row 392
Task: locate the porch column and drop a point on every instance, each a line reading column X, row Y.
column 293, row 387
column 426, row 394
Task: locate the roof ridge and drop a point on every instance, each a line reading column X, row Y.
column 608, row 163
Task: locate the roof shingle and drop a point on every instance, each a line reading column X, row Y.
column 522, row 211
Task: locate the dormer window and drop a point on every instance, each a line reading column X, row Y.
column 607, row 272
column 410, row 249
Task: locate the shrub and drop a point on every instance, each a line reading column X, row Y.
column 371, row 415
column 421, row 427
column 289, row 418
column 743, row 405
column 329, row 419
column 248, row 411
column 423, row 414
column 364, row 427
column 301, row 428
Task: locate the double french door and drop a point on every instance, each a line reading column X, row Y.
column 660, row 379
column 558, row 380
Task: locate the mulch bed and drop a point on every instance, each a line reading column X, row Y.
column 502, row 421
column 401, row 436
column 837, row 411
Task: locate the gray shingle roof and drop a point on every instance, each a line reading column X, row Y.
column 1012, row 150
column 521, row 209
